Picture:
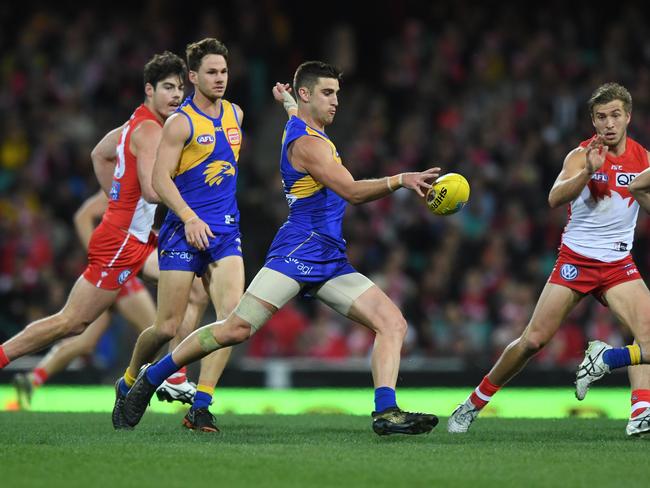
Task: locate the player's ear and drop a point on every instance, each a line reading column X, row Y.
column 194, row 77
column 148, row 90
column 304, row 94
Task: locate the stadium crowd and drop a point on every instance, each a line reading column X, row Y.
column 497, row 96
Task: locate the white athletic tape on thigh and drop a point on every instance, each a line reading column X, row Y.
column 252, row 311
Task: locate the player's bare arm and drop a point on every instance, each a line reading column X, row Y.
column 174, row 134
column 144, row 144
column 640, row 188
column 576, row 172
column 86, row 216
column 314, row 156
column 104, row 158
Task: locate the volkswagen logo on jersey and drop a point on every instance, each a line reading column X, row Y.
column 205, row 139
column 124, row 275
column 568, row 272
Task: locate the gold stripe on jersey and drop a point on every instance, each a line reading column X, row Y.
column 194, row 153
column 305, row 187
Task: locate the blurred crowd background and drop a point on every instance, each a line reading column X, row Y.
column 497, row 95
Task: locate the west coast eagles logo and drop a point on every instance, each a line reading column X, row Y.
column 217, row 171
column 568, row 272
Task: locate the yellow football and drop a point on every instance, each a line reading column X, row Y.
column 448, row 195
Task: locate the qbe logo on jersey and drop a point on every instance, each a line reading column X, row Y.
column 568, row 272
column 624, row 179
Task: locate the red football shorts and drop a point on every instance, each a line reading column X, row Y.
column 586, row 275
column 115, row 256
column 131, row 287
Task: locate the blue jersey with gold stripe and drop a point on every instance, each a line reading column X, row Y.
column 312, row 206
column 207, row 171
column 309, row 247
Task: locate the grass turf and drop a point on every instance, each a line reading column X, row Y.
column 81, row 449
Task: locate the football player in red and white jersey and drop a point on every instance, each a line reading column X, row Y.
column 594, row 258
column 133, row 302
column 123, row 244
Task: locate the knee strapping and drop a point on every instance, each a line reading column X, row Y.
column 206, row 339
column 253, row 312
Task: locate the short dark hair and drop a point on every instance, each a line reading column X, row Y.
column 308, row 73
column 195, row 51
column 162, row 66
column 608, row 93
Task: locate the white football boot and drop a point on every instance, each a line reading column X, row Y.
column 182, row 392
column 461, row 419
column 640, row 424
column 592, row 368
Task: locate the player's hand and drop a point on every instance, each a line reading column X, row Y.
column 420, row 182
column 596, row 154
column 282, row 94
column 279, row 89
column 198, row 233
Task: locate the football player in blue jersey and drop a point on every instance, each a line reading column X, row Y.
column 308, row 255
column 195, row 175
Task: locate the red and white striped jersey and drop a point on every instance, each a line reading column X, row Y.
column 127, row 209
column 603, row 217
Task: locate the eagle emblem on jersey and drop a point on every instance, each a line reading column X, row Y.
column 217, row 171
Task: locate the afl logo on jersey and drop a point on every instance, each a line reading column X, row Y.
column 233, row 135
column 205, row 139
column 568, row 272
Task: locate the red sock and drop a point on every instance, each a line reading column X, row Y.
column 39, row 376
column 4, row 360
column 483, row 393
column 178, row 377
column 640, row 401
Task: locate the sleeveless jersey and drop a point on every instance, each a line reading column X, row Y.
column 127, row 209
column 603, row 217
column 312, row 206
column 207, row 171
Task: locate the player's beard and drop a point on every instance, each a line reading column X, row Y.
column 209, row 95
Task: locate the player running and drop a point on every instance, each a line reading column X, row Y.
column 308, row 256
column 123, row 243
column 594, row 258
column 133, row 302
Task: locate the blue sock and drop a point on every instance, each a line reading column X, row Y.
column 157, row 373
column 617, row 357
column 123, row 387
column 384, row 398
column 201, row 400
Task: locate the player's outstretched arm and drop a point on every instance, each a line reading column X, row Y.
column 86, row 216
column 104, row 158
column 576, row 172
column 174, row 134
column 282, row 94
column 314, row 155
column 640, row 189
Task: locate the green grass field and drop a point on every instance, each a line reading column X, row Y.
column 276, row 440
column 80, row 449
